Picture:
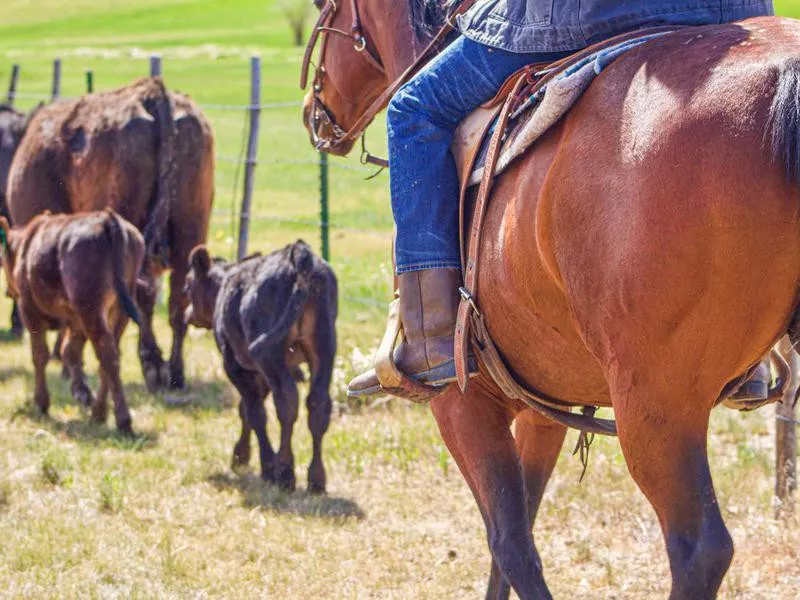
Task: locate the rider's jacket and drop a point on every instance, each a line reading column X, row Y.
column 558, row 25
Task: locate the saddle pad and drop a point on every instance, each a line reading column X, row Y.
column 540, row 111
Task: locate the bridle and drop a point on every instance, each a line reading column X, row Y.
column 321, row 115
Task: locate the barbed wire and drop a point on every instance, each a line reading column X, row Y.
column 216, row 107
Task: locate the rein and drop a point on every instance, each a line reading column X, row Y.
column 321, row 114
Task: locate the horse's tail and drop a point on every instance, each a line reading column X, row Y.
column 116, row 237
column 783, row 133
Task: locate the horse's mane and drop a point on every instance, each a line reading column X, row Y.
column 429, row 16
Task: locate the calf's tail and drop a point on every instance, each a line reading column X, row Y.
column 302, row 260
column 116, row 238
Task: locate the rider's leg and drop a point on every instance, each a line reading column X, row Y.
column 422, row 118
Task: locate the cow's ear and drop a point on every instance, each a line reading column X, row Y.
column 200, row 260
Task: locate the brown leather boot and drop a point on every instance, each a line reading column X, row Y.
column 429, row 302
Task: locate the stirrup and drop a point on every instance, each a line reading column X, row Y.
column 392, row 379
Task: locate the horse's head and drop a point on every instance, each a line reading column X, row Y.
column 365, row 45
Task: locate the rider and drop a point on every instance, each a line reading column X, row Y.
column 498, row 38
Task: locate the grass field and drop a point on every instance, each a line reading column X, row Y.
column 85, row 513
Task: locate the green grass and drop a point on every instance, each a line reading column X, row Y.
column 87, row 513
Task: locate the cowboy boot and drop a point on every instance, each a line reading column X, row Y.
column 429, row 302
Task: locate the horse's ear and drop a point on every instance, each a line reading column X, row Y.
column 200, row 260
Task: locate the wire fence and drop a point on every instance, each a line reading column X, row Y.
column 238, row 167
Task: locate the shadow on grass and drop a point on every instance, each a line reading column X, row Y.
column 14, row 372
column 256, row 493
column 9, row 337
column 86, row 432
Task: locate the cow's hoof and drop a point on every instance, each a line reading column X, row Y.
column 126, row 429
column 316, row 488
column 316, row 479
column 99, row 416
column 241, row 456
column 155, row 378
column 284, row 478
column 83, row 397
column 177, row 381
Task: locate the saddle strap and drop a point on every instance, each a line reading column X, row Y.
column 551, row 408
column 468, row 292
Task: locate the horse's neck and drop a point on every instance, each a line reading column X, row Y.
column 397, row 45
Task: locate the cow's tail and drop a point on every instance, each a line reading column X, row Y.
column 116, row 238
column 303, row 262
column 155, row 233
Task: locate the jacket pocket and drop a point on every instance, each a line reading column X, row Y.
column 524, row 13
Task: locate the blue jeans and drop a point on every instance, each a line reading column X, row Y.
column 422, row 118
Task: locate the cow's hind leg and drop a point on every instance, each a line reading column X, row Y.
column 664, row 444
column 253, row 389
column 73, row 364
column 321, row 360
column 41, row 356
column 177, row 308
column 105, row 343
column 17, row 327
column 539, row 443
column 284, row 394
column 153, row 367
column 476, row 429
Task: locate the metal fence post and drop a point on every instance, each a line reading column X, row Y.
column 156, row 67
column 89, row 81
column 786, row 439
column 252, row 154
column 12, row 85
column 56, row 79
column 324, row 221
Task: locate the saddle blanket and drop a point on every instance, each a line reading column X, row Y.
column 536, row 113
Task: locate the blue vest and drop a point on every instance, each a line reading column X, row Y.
column 560, row 25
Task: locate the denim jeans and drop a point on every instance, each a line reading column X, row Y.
column 422, row 118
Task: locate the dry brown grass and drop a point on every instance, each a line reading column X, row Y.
column 84, row 513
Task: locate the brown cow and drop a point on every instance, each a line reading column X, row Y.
column 144, row 152
column 12, row 127
column 78, row 271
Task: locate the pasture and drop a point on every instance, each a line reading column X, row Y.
column 86, row 513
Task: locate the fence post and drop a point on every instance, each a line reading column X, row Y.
column 252, row 154
column 324, row 221
column 56, row 79
column 156, row 65
column 12, row 85
column 786, row 438
column 89, row 82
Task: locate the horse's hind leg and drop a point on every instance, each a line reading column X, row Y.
column 539, row 443
column 664, row 444
column 476, row 429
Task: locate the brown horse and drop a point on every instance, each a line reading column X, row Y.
column 642, row 255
